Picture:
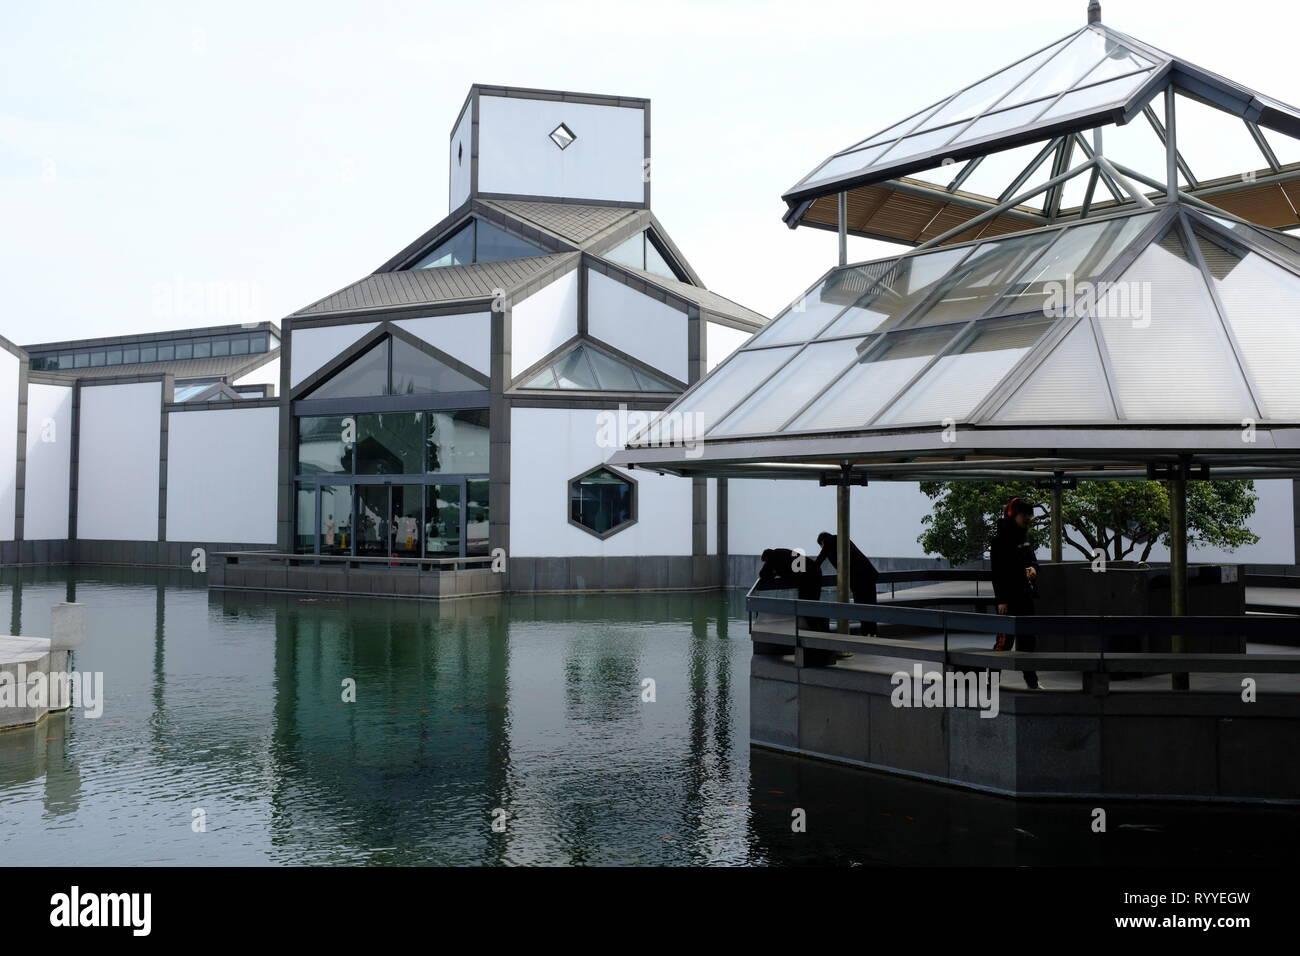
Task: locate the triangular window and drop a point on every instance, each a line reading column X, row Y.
column 478, row 241
column 394, row 367
column 590, row 370
column 642, row 251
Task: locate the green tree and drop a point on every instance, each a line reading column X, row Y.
column 1122, row 519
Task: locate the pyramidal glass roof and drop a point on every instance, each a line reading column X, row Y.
column 1028, row 122
column 1159, row 316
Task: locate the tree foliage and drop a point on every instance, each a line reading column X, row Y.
column 1122, row 519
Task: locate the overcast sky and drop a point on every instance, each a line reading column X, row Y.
column 285, row 150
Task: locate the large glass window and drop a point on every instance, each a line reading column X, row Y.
column 336, row 519
column 442, row 521
column 478, row 241
column 304, row 529
column 366, row 375
column 457, row 442
column 325, row 444
column 390, row 443
column 415, row 373
column 394, row 367
column 476, row 516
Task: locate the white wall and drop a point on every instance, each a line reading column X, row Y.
column 221, row 475
column 548, row 447
column 118, row 461
column 9, row 366
column 720, row 341
column 268, row 374
column 49, row 462
column 543, row 322
column 885, row 517
column 637, row 324
column 516, row 154
column 458, row 161
column 464, row 337
column 311, row 348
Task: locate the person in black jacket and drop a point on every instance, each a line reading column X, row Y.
column 785, row 568
column 862, row 573
column 1015, row 574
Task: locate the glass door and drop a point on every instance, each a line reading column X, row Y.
column 373, row 521
column 442, row 520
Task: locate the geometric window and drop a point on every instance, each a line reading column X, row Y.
column 588, row 369
column 562, row 136
column 478, row 241
column 642, row 252
column 602, row 502
column 394, row 367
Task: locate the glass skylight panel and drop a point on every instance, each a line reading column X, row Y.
column 803, row 318
column 1214, row 143
column 905, row 284
column 573, row 371
column 494, row 244
column 1120, row 60
column 984, row 94
column 1288, row 247
column 456, row 250
column 655, row 261
column 715, row 396
column 999, row 170
column 846, row 163
column 967, row 291
column 629, row 252
column 1079, row 254
column 1091, row 98
column 1169, row 353
column 1001, row 121
column 860, row 393
column 612, row 375
column 1259, row 300
column 1285, row 148
column 957, row 382
column 781, row 395
column 1069, row 385
column 1064, row 70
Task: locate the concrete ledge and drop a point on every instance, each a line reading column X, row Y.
column 1201, row 746
column 21, row 660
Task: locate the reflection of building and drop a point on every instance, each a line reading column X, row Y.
column 462, row 397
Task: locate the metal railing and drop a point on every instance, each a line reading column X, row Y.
column 283, row 559
column 1096, row 627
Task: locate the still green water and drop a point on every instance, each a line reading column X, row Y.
column 232, row 704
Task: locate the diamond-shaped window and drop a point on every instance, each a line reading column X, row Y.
column 562, row 136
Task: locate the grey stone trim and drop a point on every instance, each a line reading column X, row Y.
column 12, row 349
column 168, row 393
column 124, row 379
column 270, row 355
column 586, row 400
column 20, row 453
column 284, row 502
column 460, row 307
column 717, row 318
column 74, row 458
column 575, row 200
column 40, row 553
column 621, row 526
column 647, row 170
column 473, row 141
column 270, row 402
column 146, row 337
column 499, row 428
column 43, row 377
column 563, row 96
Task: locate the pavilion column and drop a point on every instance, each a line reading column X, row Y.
column 842, row 592
column 1178, row 561
column 842, row 207
column 1058, row 521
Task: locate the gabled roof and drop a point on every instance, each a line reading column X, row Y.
column 448, row 284
column 1112, row 340
column 916, row 179
column 575, row 222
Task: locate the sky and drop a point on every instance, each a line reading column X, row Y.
column 171, row 165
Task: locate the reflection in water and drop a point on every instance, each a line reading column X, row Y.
column 532, row 705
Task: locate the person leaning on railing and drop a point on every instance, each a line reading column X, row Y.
column 1015, row 574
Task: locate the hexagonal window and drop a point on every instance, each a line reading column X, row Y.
column 602, row 502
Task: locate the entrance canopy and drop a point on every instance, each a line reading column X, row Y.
column 1094, row 348
column 986, row 143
